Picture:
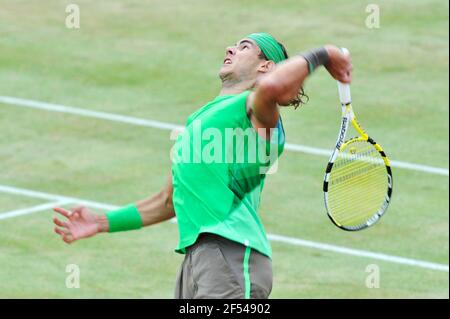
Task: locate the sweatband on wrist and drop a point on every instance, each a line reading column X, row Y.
column 125, row 218
column 316, row 58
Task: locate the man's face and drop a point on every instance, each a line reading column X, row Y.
column 242, row 61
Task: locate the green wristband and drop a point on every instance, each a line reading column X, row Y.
column 125, row 218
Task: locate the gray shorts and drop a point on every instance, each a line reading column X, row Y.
column 215, row 267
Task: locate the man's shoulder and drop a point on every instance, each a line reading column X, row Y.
column 221, row 106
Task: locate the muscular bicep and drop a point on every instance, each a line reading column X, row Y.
column 262, row 108
column 279, row 87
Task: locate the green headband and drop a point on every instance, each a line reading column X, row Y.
column 269, row 46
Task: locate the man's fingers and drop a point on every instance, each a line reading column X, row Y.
column 346, row 79
column 68, row 239
column 345, row 76
column 66, row 236
column 61, row 231
column 62, row 211
column 348, row 75
column 76, row 215
column 59, row 222
column 77, row 209
column 70, row 214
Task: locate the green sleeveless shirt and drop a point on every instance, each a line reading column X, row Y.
column 219, row 167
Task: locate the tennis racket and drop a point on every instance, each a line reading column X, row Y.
column 358, row 179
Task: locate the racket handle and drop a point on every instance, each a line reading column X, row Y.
column 344, row 89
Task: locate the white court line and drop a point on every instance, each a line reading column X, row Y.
column 358, row 252
column 272, row 237
column 169, row 126
column 34, row 209
column 47, row 196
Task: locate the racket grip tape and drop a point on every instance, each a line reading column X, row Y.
column 344, row 89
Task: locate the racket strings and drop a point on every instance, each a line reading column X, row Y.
column 357, row 208
column 356, row 212
column 353, row 209
column 341, row 182
column 364, row 178
column 352, row 172
column 357, row 184
column 370, row 155
column 362, row 191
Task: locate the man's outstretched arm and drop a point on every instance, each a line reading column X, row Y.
column 81, row 222
column 281, row 86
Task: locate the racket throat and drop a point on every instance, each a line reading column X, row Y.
column 342, row 132
column 358, row 128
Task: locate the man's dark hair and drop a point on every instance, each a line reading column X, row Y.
column 301, row 98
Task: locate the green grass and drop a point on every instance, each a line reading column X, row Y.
column 159, row 60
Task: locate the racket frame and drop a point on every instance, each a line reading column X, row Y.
column 348, row 116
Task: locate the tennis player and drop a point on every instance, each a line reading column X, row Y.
column 216, row 197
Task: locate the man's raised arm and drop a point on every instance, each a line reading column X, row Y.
column 281, row 86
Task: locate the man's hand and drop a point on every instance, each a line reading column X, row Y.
column 80, row 223
column 339, row 64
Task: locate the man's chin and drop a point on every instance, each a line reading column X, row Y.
column 225, row 72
